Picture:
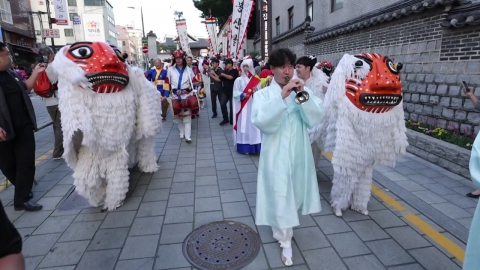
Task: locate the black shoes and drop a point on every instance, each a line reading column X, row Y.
column 29, row 207
column 214, row 115
column 224, row 122
column 471, row 195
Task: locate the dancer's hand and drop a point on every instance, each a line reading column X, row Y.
column 3, row 135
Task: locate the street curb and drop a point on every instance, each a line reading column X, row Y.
column 44, row 126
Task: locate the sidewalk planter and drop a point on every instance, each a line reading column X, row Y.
column 451, row 157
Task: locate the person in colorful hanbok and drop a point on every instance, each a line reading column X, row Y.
column 158, row 76
column 286, row 174
column 472, row 253
column 246, row 136
column 181, row 79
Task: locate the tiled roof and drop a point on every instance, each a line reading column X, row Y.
column 394, row 11
column 462, row 16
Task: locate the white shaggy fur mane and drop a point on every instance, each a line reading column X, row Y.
column 112, row 125
column 357, row 139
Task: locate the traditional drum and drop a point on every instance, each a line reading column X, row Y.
column 190, row 103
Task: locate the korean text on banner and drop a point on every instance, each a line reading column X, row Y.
column 93, row 27
column 183, row 36
column 240, row 17
column 61, row 12
column 211, row 24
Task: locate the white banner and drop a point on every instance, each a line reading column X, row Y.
column 93, row 27
column 183, row 36
column 61, row 12
column 240, row 17
column 211, row 24
column 225, row 44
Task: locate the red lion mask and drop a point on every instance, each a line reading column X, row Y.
column 104, row 66
column 381, row 90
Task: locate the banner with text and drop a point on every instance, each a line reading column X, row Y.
column 242, row 10
column 183, row 36
column 93, row 27
column 211, row 24
column 61, row 12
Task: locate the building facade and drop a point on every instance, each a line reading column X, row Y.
column 94, row 21
column 437, row 42
column 126, row 44
column 17, row 30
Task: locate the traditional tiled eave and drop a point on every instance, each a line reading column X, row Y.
column 463, row 16
column 289, row 33
column 394, row 11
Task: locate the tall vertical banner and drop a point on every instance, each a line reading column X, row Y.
column 225, row 43
column 183, row 36
column 242, row 10
column 61, row 12
column 211, row 24
column 93, row 27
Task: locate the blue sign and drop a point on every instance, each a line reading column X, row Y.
column 76, row 20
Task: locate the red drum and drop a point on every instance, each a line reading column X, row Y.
column 191, row 103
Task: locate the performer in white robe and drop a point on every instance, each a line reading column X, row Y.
column 180, row 77
column 246, row 136
column 286, row 174
column 316, row 81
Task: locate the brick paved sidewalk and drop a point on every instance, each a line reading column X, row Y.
column 208, row 181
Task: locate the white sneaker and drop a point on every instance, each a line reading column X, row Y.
column 337, row 212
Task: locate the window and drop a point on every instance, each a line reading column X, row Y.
column 277, row 26
column 112, row 21
column 72, row 3
column 112, row 34
column 97, row 3
column 109, row 7
column 310, row 9
column 123, row 43
column 336, row 5
column 68, row 32
column 6, row 12
column 72, row 15
column 290, row 18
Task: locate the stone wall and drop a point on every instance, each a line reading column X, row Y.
column 294, row 43
column 443, row 154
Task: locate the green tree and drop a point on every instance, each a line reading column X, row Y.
column 220, row 9
column 163, row 47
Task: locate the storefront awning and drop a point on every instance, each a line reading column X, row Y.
column 16, row 47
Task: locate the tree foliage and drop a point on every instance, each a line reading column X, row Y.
column 162, row 47
column 221, row 9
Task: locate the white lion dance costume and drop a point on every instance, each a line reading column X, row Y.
column 118, row 112
column 364, row 126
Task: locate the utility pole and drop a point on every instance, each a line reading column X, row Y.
column 50, row 23
column 143, row 26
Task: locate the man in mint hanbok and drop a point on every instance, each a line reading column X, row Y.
column 287, row 179
column 472, row 254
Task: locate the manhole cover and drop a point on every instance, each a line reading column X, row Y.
column 221, row 245
column 73, row 200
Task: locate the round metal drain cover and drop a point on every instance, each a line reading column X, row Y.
column 221, row 245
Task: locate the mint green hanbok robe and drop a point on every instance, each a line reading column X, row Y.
column 287, row 180
column 472, row 254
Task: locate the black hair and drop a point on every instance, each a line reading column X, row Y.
column 280, row 57
column 255, row 63
column 2, row 46
column 306, row 61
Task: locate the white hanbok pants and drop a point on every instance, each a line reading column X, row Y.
column 184, row 125
column 283, row 236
